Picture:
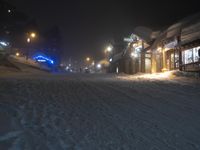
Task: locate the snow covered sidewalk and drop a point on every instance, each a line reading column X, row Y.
column 98, row 112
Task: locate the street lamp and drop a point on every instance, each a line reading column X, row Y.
column 17, row 54
column 31, row 36
column 99, row 66
column 109, row 48
column 88, row 59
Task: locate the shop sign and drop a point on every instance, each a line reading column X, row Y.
column 171, row 45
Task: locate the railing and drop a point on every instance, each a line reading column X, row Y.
column 191, row 67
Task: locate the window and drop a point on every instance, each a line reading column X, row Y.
column 190, row 55
column 196, row 55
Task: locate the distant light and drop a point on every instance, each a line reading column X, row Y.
column 134, row 45
column 88, row 59
column 138, row 49
column 67, row 68
column 117, row 70
column 28, row 40
column 4, row 43
column 109, row 48
column 111, row 60
column 17, row 54
column 9, row 11
column 33, row 35
column 93, row 63
column 70, row 65
column 99, row 66
column 134, row 55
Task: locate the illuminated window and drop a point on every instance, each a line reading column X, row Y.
column 191, row 55
column 188, row 56
column 196, row 55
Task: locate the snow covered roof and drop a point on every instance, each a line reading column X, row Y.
column 191, row 30
column 156, row 43
column 174, row 30
column 188, row 28
column 144, row 33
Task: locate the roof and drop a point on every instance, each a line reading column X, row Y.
column 188, row 29
column 144, row 33
column 191, row 30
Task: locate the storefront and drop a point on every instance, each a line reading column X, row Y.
column 172, row 59
column 190, row 45
column 191, row 59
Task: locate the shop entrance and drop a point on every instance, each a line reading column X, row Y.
column 148, row 63
column 172, row 59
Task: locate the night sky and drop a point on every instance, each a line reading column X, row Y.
column 87, row 26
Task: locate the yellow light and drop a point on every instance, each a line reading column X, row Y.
column 164, row 69
column 159, row 49
column 17, row 54
column 135, row 55
column 88, row 59
column 166, row 49
column 33, row 35
column 153, row 76
column 134, row 45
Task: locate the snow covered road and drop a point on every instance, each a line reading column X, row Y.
column 98, row 112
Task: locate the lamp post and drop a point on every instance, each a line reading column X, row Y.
column 29, row 39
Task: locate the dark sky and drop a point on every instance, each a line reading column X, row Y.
column 87, row 26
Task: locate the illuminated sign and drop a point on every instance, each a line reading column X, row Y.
column 43, row 59
column 129, row 40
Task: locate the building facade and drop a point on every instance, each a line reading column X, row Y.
column 178, row 47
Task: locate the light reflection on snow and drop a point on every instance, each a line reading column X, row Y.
column 154, row 76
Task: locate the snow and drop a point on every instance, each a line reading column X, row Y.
column 22, row 61
column 99, row 111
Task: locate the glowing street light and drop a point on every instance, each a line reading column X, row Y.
column 28, row 40
column 109, row 48
column 99, row 66
column 33, row 35
column 88, row 59
column 17, row 54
